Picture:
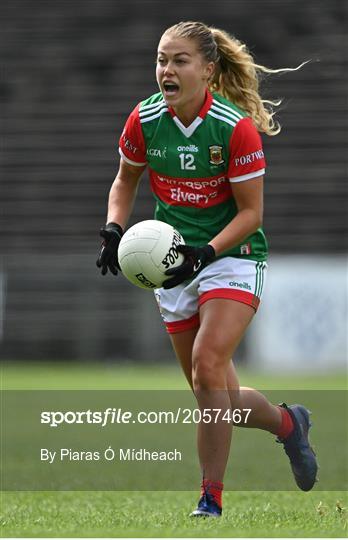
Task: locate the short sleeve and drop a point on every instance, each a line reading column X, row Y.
column 132, row 144
column 247, row 159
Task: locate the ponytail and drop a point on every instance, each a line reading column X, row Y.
column 237, row 78
column 236, row 75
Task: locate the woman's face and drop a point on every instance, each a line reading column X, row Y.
column 182, row 73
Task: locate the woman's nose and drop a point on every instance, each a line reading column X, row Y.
column 168, row 68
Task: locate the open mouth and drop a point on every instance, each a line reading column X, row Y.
column 170, row 88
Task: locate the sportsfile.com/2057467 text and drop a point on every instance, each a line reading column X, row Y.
column 113, row 415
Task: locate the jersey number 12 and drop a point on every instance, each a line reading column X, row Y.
column 187, row 162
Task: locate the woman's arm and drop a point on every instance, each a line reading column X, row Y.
column 121, row 199
column 249, row 199
column 122, row 193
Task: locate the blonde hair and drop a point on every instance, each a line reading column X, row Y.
column 236, row 76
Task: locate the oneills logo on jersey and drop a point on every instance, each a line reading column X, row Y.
column 215, row 155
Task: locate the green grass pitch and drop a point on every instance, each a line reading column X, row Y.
column 163, row 514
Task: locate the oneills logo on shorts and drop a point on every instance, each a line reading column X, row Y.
column 215, row 153
column 243, row 285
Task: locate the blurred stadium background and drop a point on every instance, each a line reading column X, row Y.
column 72, row 72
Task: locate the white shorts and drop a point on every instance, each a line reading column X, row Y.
column 241, row 280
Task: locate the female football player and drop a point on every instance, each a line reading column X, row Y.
column 199, row 138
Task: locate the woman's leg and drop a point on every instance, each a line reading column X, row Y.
column 263, row 414
column 222, row 325
column 182, row 343
column 205, row 354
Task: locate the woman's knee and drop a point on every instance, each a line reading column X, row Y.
column 208, row 369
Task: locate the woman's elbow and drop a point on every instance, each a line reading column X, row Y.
column 256, row 219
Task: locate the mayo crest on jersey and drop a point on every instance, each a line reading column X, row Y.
column 192, row 169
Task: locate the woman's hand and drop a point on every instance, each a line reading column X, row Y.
column 196, row 258
column 107, row 260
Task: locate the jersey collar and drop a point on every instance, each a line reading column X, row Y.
column 189, row 130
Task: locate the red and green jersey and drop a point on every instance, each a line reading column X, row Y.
column 192, row 169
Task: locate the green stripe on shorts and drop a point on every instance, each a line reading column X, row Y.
column 260, row 267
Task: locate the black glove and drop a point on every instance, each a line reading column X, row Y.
column 196, row 258
column 111, row 234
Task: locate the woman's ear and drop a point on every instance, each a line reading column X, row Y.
column 209, row 71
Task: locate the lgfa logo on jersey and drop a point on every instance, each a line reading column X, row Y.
column 215, row 154
column 156, row 152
